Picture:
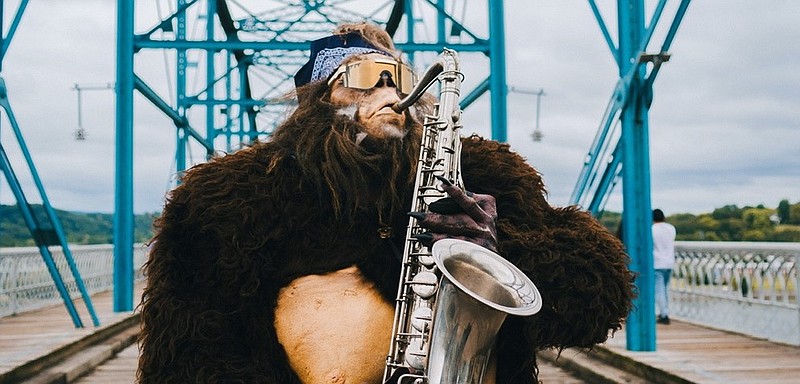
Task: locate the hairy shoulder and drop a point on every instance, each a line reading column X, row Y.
column 491, row 167
column 232, row 186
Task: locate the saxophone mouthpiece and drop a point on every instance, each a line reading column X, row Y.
column 397, row 107
column 427, row 79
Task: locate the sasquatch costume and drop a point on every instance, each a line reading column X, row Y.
column 310, row 201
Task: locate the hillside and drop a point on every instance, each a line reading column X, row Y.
column 80, row 228
column 728, row 223
column 731, row 223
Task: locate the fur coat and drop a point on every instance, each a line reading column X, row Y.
column 242, row 226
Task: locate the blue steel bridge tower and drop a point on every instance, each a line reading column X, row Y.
column 232, row 62
column 621, row 146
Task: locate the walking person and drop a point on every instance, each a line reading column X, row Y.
column 663, row 260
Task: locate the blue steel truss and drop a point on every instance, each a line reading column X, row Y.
column 246, row 57
column 46, row 231
column 625, row 152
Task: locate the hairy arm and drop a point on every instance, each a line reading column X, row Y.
column 207, row 302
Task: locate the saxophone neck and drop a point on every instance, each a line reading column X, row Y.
column 447, row 61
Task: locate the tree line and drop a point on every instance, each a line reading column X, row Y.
column 727, row 223
column 731, row 223
column 79, row 228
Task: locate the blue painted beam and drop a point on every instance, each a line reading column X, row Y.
column 11, row 30
column 640, row 328
column 591, row 165
column 603, row 29
column 123, row 180
column 474, row 94
column 181, row 63
column 497, row 68
column 22, row 201
column 145, row 43
column 30, row 221
column 211, row 131
column 180, row 121
column 607, row 181
column 194, row 100
column 619, row 98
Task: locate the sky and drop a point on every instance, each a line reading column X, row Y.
column 724, row 123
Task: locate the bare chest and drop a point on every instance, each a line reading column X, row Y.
column 335, row 328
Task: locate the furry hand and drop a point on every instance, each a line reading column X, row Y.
column 462, row 215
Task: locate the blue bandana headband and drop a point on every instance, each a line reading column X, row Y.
column 328, row 53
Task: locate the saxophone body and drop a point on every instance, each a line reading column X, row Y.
column 452, row 298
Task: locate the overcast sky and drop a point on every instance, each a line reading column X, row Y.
column 724, row 124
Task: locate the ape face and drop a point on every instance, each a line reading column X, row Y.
column 373, row 105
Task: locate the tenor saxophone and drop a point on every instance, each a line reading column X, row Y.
column 452, row 298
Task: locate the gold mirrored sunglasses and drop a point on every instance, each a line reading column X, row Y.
column 364, row 74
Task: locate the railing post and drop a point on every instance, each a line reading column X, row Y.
column 797, row 285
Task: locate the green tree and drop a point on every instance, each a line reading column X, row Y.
column 755, row 235
column 727, row 212
column 784, row 211
column 686, row 226
column 786, row 232
column 794, row 214
column 758, row 218
column 708, row 226
column 80, row 228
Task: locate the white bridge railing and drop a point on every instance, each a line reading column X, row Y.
column 750, row 288
column 745, row 287
column 25, row 283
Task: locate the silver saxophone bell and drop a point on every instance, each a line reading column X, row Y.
column 477, row 290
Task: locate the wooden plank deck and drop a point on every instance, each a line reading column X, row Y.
column 121, row 369
column 692, row 353
column 704, row 355
column 26, row 337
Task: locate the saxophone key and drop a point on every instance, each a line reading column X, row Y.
column 421, row 319
column 416, row 354
column 424, row 284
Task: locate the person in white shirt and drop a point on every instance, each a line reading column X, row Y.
column 663, row 259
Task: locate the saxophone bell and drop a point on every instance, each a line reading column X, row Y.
column 477, row 291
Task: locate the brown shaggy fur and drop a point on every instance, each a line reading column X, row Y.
column 310, row 201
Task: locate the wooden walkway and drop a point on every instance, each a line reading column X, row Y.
column 30, row 341
column 702, row 355
column 685, row 353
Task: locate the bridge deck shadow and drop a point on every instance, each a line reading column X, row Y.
column 31, row 342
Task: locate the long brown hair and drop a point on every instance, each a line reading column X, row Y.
column 325, row 141
column 355, row 172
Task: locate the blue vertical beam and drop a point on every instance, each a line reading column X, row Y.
column 636, row 216
column 229, row 60
column 180, row 89
column 252, row 133
column 409, row 10
column 211, row 132
column 497, row 68
column 441, row 16
column 123, row 199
